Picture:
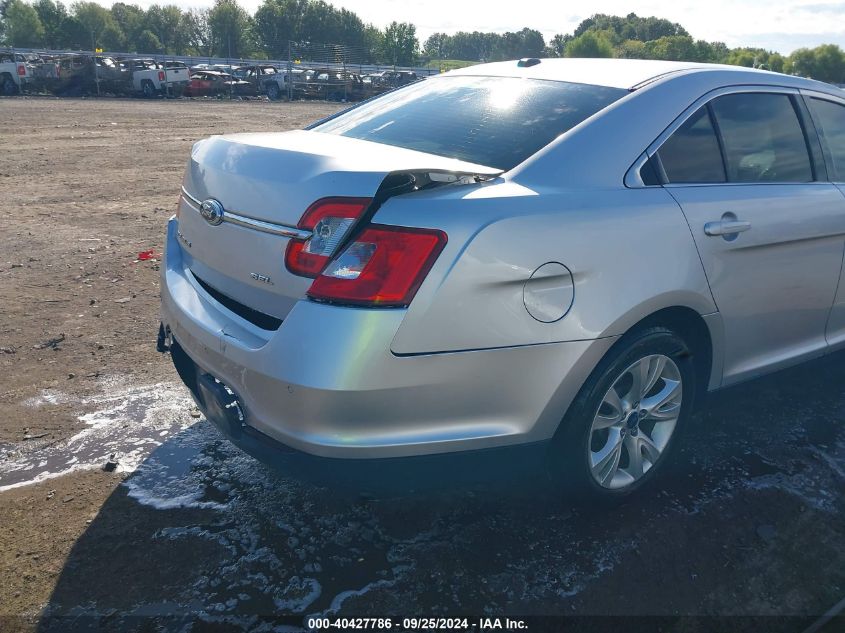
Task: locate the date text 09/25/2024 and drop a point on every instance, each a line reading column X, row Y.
column 417, row 624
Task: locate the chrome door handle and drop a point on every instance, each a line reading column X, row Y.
column 726, row 227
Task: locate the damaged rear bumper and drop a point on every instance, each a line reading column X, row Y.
column 221, row 407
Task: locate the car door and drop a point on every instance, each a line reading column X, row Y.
column 746, row 169
column 828, row 114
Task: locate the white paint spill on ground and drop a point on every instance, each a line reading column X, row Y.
column 128, row 421
column 282, row 539
column 339, row 599
column 47, row 397
column 173, row 476
column 818, row 485
column 278, row 535
column 297, row 595
column 308, row 551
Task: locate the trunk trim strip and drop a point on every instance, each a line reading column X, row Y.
column 251, row 223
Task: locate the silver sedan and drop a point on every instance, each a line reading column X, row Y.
column 540, row 262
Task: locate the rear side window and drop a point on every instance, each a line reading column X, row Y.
column 493, row 121
column 762, row 138
column 831, row 118
column 692, row 154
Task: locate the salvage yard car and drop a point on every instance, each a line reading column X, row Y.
column 208, row 83
column 331, row 85
column 78, row 74
column 384, row 80
column 540, row 262
column 15, row 72
column 151, row 78
column 259, row 79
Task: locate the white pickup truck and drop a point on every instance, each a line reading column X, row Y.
column 15, row 73
column 151, row 78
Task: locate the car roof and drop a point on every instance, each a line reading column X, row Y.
column 628, row 74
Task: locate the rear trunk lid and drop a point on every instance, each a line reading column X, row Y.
column 265, row 182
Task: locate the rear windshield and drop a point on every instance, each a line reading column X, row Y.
column 493, row 121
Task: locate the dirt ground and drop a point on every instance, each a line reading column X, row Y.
column 747, row 533
column 87, row 185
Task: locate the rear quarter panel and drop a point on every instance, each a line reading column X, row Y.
column 630, row 252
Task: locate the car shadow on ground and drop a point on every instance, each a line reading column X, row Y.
column 748, row 522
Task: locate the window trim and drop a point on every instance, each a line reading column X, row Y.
column 634, row 179
column 720, row 141
column 825, row 147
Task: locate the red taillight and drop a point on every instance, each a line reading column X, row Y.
column 329, row 220
column 21, row 70
column 384, row 266
column 161, row 75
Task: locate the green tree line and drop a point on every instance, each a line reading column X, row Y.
column 634, row 37
column 224, row 30
column 227, row 30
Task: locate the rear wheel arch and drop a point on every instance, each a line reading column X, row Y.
column 691, row 327
column 677, row 332
column 599, row 432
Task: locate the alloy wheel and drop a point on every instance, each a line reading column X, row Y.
column 635, row 421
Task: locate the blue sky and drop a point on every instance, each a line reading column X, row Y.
column 781, row 25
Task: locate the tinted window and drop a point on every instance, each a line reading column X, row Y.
column 492, row 121
column 831, row 119
column 692, row 153
column 649, row 173
column 762, row 137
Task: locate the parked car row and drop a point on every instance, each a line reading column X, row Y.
column 330, row 84
column 77, row 74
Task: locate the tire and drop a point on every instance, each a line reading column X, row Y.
column 274, row 93
column 8, row 86
column 600, row 464
column 147, row 89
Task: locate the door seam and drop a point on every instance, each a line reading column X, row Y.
column 695, row 244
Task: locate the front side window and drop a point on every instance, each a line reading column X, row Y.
column 692, row 154
column 493, row 121
column 762, row 138
column 830, row 117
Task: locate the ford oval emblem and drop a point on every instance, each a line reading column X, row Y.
column 212, row 211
